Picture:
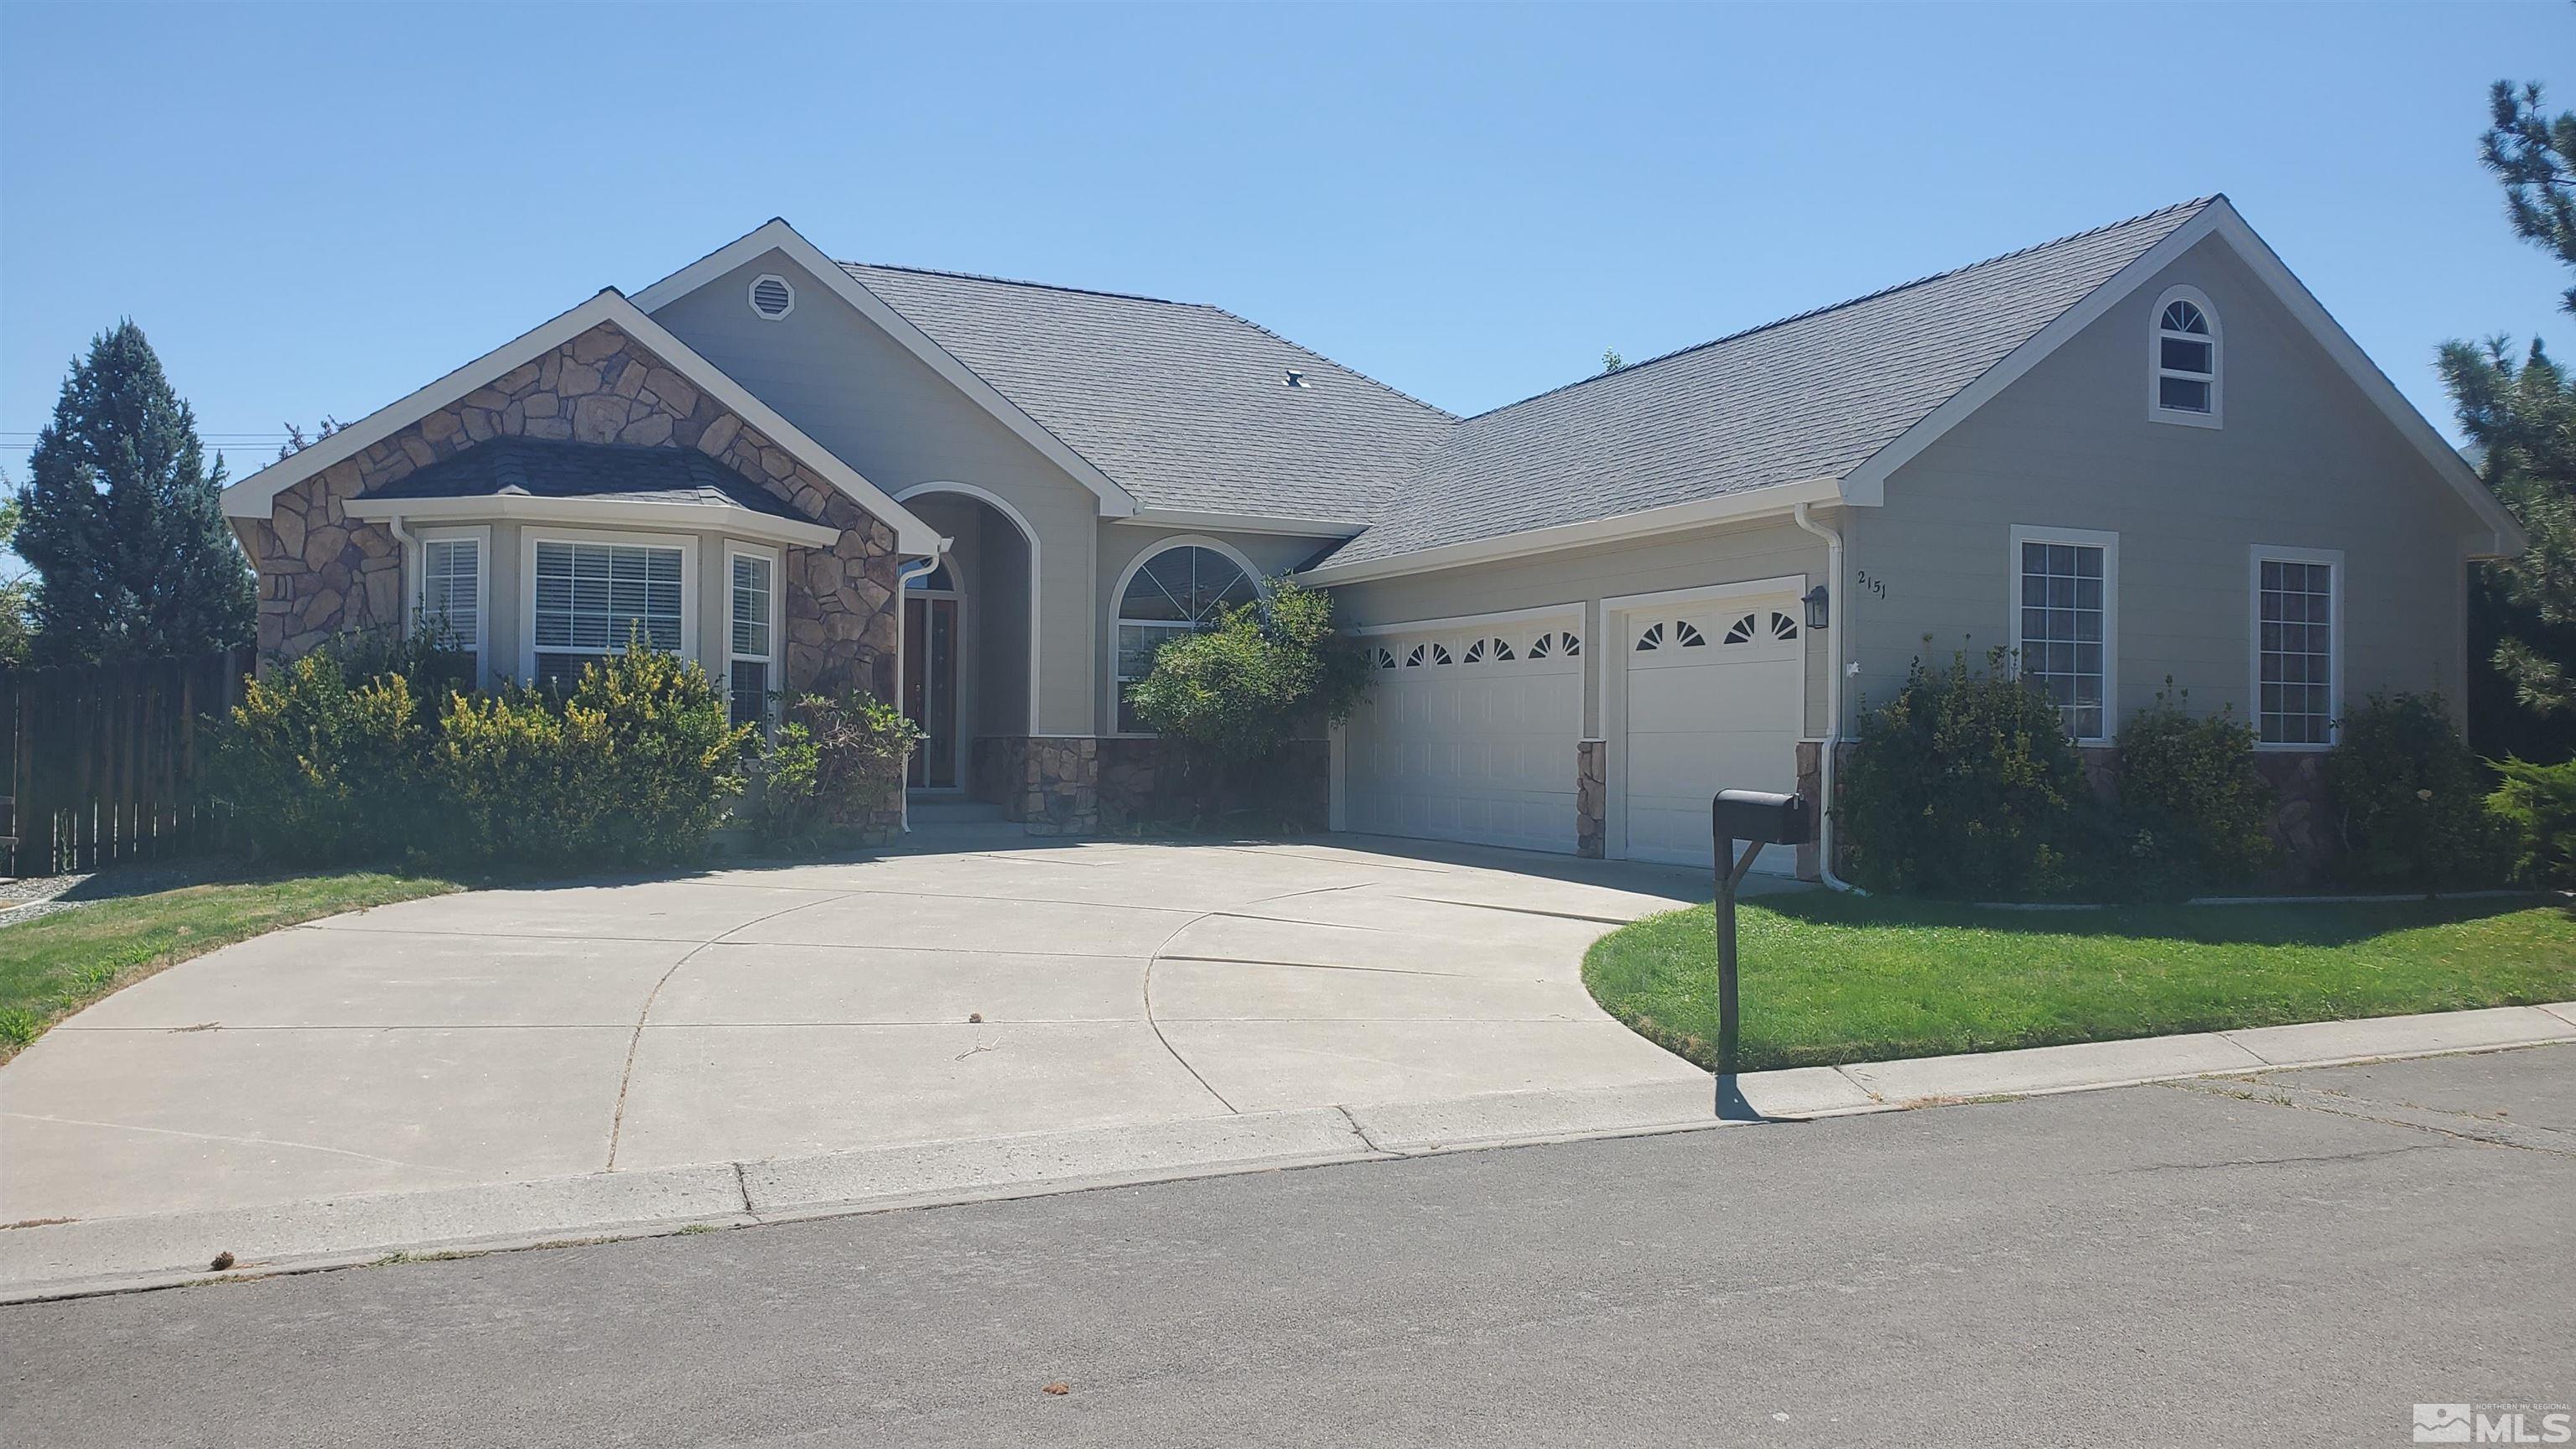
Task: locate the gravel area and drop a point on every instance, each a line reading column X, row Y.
column 37, row 897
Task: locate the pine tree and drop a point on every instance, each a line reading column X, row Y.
column 122, row 522
column 2522, row 415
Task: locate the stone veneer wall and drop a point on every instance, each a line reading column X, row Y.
column 1811, row 788
column 2303, row 824
column 1049, row 783
column 322, row 573
column 1591, row 798
column 1156, row 781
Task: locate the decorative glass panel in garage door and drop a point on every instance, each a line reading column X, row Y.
column 1714, row 698
column 1469, row 734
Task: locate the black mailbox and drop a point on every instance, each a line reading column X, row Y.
column 1758, row 818
column 1762, row 816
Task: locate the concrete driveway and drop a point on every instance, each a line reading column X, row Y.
column 754, row 1013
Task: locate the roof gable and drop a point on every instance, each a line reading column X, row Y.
column 1812, row 396
column 253, row 496
column 776, row 235
column 1849, row 392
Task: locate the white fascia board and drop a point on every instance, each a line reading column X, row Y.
column 913, row 537
column 2509, row 538
column 776, row 235
column 1867, row 483
column 1244, row 523
column 1729, row 508
column 252, row 496
column 603, row 512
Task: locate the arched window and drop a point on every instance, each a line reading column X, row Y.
column 1178, row 591
column 2184, row 360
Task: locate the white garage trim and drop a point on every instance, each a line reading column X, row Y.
column 1473, row 621
column 1470, row 732
column 1612, row 682
column 1621, row 620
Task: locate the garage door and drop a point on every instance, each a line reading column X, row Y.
column 1714, row 702
column 1468, row 734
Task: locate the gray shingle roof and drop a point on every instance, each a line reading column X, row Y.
column 1811, row 396
column 1185, row 406
column 538, row 468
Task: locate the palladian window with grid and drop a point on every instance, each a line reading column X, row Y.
column 592, row 597
column 749, row 663
column 1178, row 591
column 2295, row 621
column 2186, row 360
column 2064, row 613
column 451, row 599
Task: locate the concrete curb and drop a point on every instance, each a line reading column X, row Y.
column 2090, row 1066
column 106, row 1255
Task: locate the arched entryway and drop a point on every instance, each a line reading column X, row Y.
column 970, row 631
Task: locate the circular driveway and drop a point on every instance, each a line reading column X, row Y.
column 763, row 1012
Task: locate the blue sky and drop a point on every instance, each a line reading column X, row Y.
column 314, row 209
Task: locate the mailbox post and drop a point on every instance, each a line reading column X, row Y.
column 1756, row 818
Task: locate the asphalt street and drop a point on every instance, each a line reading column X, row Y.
column 2297, row 1260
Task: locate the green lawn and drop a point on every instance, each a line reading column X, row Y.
column 1833, row 978
column 55, row 965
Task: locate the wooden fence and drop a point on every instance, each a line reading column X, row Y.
column 103, row 762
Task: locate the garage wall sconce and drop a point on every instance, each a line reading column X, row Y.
column 1820, row 613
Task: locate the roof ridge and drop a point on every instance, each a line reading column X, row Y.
column 1887, row 291
column 1284, row 340
column 1018, row 282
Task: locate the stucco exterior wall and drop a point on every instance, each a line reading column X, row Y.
column 322, row 572
column 2303, row 460
column 885, row 413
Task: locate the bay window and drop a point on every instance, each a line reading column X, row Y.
column 590, row 596
column 752, row 633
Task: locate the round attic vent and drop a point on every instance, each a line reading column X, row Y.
column 772, row 297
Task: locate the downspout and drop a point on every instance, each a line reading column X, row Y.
column 903, row 662
column 1833, row 700
column 411, row 571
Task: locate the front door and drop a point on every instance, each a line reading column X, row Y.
column 930, row 689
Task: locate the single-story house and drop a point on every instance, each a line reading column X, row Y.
column 2138, row 454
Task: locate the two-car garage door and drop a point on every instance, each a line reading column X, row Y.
column 1471, row 733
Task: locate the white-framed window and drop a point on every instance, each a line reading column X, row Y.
column 1183, row 588
column 2184, row 360
column 449, row 595
column 588, row 593
column 2066, row 597
column 752, row 627
column 2297, row 644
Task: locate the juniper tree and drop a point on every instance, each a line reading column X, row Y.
column 121, row 520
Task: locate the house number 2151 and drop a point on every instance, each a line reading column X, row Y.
column 1870, row 584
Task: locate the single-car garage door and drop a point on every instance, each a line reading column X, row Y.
column 1714, row 702
column 1468, row 734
